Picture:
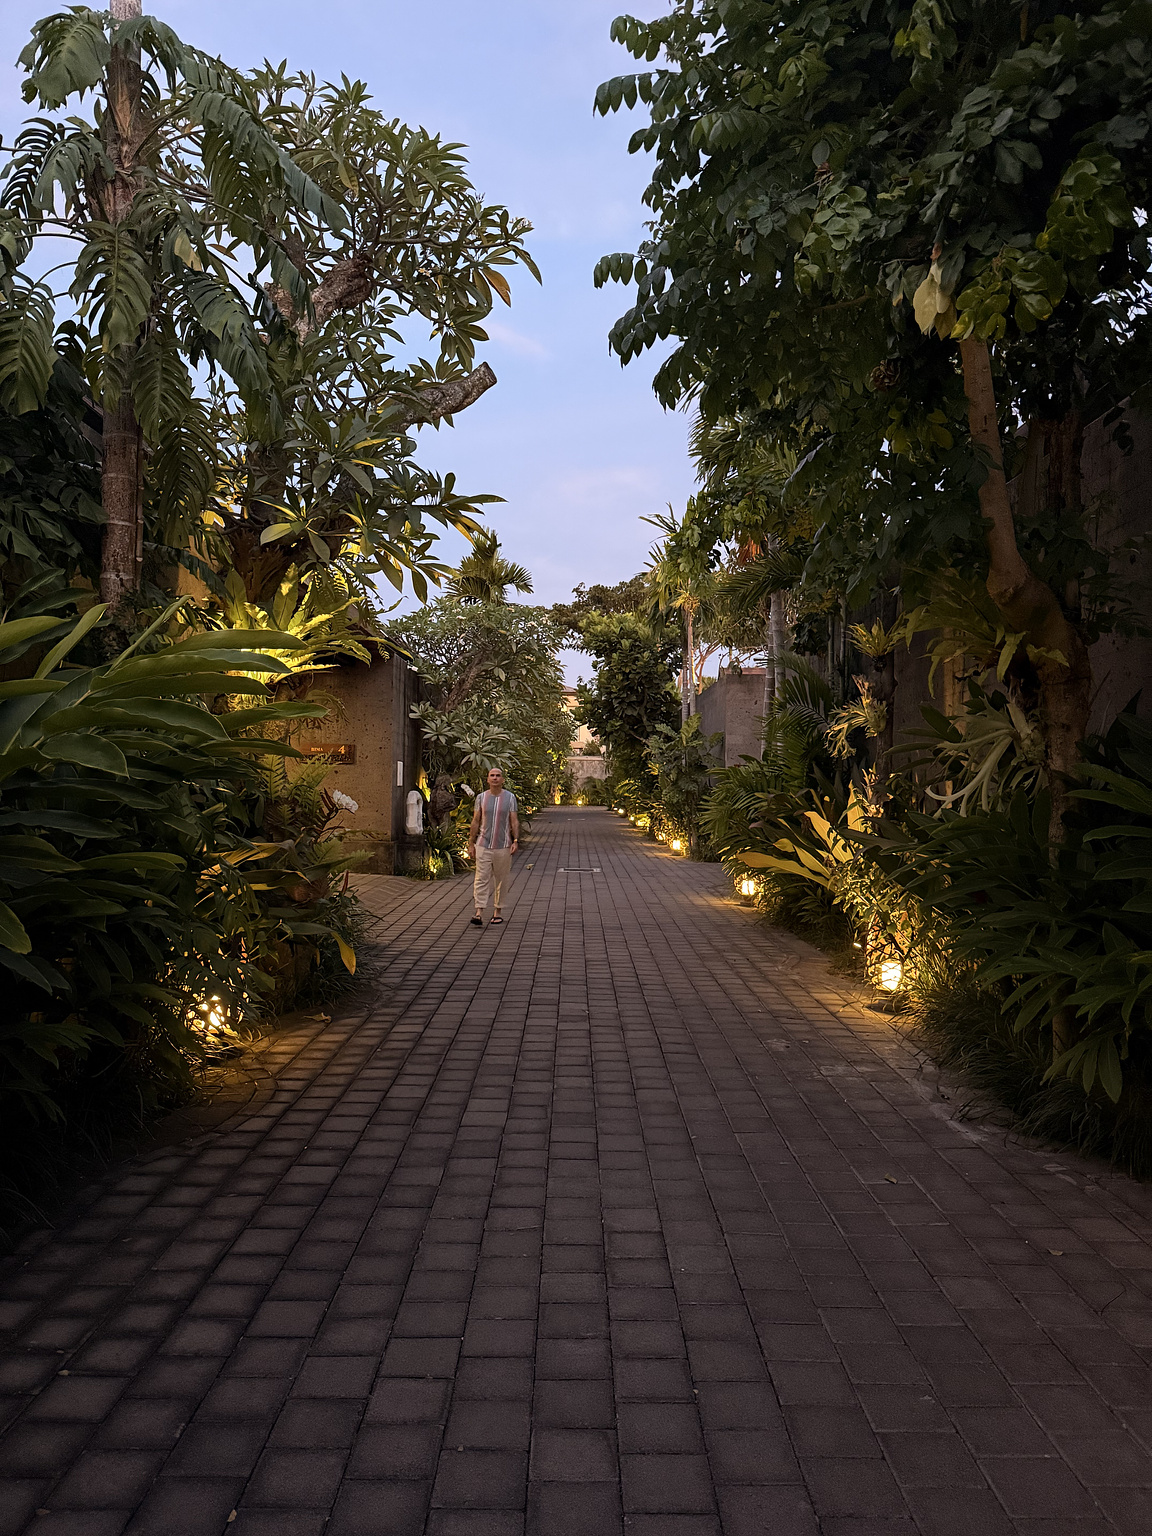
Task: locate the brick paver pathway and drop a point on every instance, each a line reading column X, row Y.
column 624, row 1217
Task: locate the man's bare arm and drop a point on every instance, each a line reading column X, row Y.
column 474, row 829
column 514, row 824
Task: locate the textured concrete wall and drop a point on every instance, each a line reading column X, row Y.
column 1117, row 492
column 370, row 714
column 734, row 706
column 582, row 768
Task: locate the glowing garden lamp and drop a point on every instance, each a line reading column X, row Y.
column 580, row 801
column 676, row 845
column 748, row 887
column 891, row 975
column 215, row 1017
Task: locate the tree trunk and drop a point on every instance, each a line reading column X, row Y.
column 690, row 663
column 778, row 638
column 120, row 492
column 121, row 476
column 884, row 685
column 769, row 669
column 1027, row 604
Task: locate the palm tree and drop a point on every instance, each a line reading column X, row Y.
column 484, row 576
column 680, row 571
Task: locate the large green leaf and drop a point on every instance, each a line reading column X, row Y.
column 13, row 935
column 113, row 284
column 27, row 355
column 18, row 631
column 68, row 52
column 161, row 383
column 86, row 751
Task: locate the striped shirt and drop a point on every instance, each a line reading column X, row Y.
column 495, row 817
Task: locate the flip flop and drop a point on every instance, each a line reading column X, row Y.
column 477, row 922
column 496, row 920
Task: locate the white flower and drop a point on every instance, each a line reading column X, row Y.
column 345, row 802
column 469, row 791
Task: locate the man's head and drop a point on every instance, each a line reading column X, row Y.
column 495, row 780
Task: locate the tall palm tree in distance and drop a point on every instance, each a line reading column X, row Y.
column 484, row 576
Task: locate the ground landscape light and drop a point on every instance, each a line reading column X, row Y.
column 676, row 845
column 891, row 975
column 213, row 1018
column 747, row 886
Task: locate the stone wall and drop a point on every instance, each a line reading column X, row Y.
column 582, row 768
column 377, row 747
column 734, row 706
column 1117, row 492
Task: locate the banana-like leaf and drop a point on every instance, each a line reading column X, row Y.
column 86, row 751
column 13, row 934
column 18, row 631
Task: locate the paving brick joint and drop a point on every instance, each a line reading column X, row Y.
column 625, row 1217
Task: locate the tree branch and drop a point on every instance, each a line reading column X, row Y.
column 439, row 400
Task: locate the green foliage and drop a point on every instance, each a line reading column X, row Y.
column 50, row 512
column 683, row 762
column 1070, row 930
column 631, row 596
column 152, row 283
column 632, row 693
column 495, row 693
column 319, row 611
column 827, row 181
column 590, row 791
column 484, row 576
column 963, row 1025
column 122, row 904
column 420, row 252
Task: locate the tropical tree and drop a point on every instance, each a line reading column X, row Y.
column 631, row 596
column 632, row 693
column 681, row 574
column 419, row 250
column 50, row 512
column 484, row 576
column 277, row 232
column 495, row 692
column 878, row 231
column 172, row 166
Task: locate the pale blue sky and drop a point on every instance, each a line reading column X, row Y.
column 578, row 448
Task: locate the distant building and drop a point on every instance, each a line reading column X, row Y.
column 586, row 758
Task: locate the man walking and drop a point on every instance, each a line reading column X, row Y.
column 492, row 840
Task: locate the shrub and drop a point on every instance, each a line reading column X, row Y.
column 140, row 908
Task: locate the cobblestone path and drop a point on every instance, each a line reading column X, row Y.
column 623, row 1217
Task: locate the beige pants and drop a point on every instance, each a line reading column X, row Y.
column 493, row 873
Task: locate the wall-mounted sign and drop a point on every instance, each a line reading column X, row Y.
column 338, row 751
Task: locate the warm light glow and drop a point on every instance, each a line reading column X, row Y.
column 214, row 1014
column 580, row 801
column 210, row 1020
column 747, row 886
column 676, row 845
column 891, row 975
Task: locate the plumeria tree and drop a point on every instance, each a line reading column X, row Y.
column 270, row 234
